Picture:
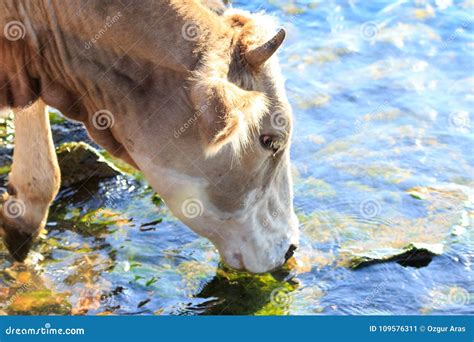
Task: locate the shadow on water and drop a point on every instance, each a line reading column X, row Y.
column 241, row 293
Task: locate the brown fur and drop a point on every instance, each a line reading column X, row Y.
column 229, row 115
column 33, row 181
column 154, row 80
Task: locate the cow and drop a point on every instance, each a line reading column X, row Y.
column 187, row 92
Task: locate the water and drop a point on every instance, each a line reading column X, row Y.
column 382, row 94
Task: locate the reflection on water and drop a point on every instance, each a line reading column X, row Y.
column 382, row 94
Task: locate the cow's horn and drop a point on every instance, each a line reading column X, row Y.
column 260, row 55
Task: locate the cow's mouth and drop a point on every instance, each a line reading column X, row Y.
column 237, row 262
column 290, row 252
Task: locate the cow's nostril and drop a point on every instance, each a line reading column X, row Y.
column 290, row 252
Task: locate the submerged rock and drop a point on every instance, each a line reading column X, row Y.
column 40, row 301
column 235, row 292
column 414, row 255
column 80, row 162
column 441, row 216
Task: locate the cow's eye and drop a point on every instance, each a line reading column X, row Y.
column 268, row 142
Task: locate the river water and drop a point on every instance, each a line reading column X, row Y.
column 382, row 94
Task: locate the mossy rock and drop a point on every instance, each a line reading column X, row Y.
column 242, row 293
column 414, row 255
column 80, row 162
column 40, row 302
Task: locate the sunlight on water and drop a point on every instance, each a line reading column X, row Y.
column 382, row 94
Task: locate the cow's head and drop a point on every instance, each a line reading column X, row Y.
column 227, row 174
column 243, row 203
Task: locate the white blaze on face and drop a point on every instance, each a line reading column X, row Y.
column 259, row 240
column 255, row 238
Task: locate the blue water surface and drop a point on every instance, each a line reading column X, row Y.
column 382, row 94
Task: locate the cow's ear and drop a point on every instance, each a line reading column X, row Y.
column 227, row 114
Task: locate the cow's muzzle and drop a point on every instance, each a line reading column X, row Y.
column 290, row 252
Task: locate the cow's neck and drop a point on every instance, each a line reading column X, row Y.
column 81, row 57
column 137, row 69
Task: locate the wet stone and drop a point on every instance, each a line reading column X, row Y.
column 414, row 255
column 80, row 162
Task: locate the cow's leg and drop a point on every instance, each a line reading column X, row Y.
column 33, row 181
